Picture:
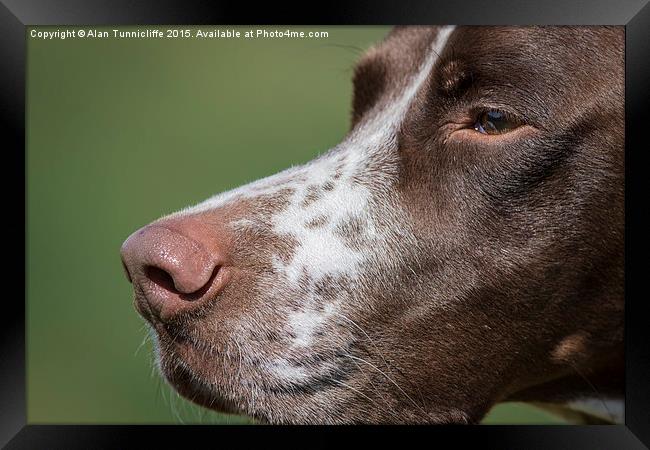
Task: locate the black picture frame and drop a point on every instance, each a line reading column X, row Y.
column 16, row 15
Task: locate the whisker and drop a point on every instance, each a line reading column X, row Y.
column 599, row 396
column 144, row 340
column 389, row 379
column 174, row 409
column 333, row 380
column 377, row 390
column 351, row 48
column 240, row 359
column 383, row 359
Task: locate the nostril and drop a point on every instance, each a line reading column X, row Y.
column 174, row 271
column 165, row 281
column 160, row 278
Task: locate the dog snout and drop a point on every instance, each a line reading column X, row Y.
column 174, row 266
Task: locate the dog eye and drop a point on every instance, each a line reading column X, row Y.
column 493, row 121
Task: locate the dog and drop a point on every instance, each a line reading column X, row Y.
column 462, row 246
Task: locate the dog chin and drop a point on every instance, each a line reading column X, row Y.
column 190, row 386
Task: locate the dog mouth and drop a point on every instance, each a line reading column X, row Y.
column 177, row 349
column 196, row 372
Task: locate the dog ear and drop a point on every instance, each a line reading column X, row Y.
column 369, row 82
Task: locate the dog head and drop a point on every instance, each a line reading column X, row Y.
column 464, row 242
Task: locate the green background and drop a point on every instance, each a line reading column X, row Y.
column 123, row 131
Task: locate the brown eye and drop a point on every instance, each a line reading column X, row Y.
column 494, row 121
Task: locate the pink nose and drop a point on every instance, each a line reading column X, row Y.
column 175, row 267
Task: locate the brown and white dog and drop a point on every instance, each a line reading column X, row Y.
column 462, row 246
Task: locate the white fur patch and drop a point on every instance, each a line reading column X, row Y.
column 320, row 251
column 305, row 323
column 283, row 370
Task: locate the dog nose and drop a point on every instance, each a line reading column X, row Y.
column 175, row 267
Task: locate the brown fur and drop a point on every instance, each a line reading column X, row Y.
column 513, row 288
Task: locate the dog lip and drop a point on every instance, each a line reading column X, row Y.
column 142, row 307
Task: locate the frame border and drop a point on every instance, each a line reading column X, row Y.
column 16, row 15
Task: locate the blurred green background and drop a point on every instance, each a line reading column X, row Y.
column 123, row 131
